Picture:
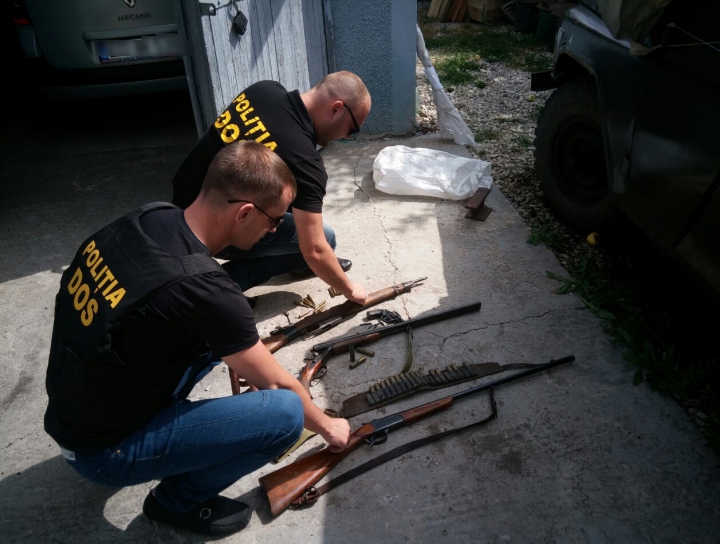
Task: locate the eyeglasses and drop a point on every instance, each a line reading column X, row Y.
column 276, row 222
column 357, row 127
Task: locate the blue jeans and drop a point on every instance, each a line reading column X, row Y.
column 198, row 449
column 275, row 254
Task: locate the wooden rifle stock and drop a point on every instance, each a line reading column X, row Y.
column 285, row 485
column 315, row 321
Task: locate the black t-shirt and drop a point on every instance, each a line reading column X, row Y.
column 178, row 324
column 267, row 113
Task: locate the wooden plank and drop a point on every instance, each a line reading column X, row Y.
column 227, row 84
column 462, row 12
column 316, row 51
column 444, row 13
column 434, row 8
column 264, row 43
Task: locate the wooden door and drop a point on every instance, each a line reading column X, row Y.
column 284, row 40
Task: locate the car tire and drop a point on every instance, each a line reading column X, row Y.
column 570, row 156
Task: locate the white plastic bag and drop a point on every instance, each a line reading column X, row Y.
column 402, row 170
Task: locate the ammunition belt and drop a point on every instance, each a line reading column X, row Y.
column 408, row 383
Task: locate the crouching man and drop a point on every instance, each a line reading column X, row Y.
column 143, row 313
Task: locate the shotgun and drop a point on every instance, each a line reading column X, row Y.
column 287, row 484
column 320, row 353
column 325, row 320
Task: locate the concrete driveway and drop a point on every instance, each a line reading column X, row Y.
column 577, row 454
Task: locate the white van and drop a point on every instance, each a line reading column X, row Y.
column 101, row 48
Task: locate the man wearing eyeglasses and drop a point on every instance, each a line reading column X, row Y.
column 142, row 314
column 293, row 125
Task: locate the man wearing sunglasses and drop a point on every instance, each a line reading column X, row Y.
column 293, row 125
column 143, row 313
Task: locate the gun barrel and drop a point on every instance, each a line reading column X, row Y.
column 340, row 345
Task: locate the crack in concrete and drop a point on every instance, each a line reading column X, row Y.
column 500, row 324
column 16, row 440
column 377, row 214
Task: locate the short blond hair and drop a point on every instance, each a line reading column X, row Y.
column 345, row 86
column 247, row 169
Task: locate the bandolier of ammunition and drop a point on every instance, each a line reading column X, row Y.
column 407, row 383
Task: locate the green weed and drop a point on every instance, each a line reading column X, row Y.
column 544, row 233
column 486, row 134
column 457, row 70
column 523, row 140
column 536, row 111
column 515, row 50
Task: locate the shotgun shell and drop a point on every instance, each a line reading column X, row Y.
column 465, row 370
column 333, row 292
column 357, row 363
column 366, row 351
column 384, row 390
column 394, row 387
column 409, row 386
column 455, row 376
column 373, row 395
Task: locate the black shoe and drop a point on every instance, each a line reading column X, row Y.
column 218, row 516
column 345, row 264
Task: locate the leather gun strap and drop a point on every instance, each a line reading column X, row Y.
column 313, row 493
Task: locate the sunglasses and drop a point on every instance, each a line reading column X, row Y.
column 276, row 222
column 357, row 127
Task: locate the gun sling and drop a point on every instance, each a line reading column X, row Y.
column 313, row 493
column 405, row 384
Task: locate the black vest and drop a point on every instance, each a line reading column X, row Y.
column 114, row 272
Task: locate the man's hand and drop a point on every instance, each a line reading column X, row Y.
column 336, row 432
column 357, row 294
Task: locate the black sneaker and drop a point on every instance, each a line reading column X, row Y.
column 345, row 264
column 218, row 516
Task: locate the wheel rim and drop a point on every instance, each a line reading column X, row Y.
column 580, row 162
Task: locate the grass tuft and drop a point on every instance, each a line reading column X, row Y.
column 486, row 134
column 545, row 233
column 458, row 69
column 516, row 50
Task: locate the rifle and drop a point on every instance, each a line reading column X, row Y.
column 286, row 485
column 316, row 366
column 325, row 320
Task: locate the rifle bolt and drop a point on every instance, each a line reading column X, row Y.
column 357, row 363
column 366, row 351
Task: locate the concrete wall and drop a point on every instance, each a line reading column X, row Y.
column 376, row 40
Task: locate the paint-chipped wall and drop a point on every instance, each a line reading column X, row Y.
column 376, row 40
